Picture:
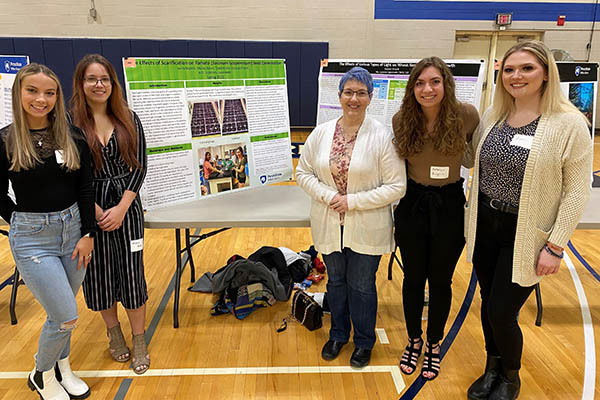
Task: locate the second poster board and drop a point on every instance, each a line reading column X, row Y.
column 9, row 66
column 389, row 83
column 211, row 125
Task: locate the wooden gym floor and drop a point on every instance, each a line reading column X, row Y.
column 223, row 358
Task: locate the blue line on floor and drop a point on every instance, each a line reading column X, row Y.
column 418, row 384
column 160, row 310
column 122, row 392
column 7, row 282
column 582, row 261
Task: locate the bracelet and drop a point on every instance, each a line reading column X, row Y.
column 552, row 252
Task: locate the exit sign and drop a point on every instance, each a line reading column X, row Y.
column 504, row 19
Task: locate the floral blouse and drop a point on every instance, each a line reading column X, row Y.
column 339, row 160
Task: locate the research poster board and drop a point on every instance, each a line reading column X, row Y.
column 229, row 113
column 389, row 83
column 9, row 66
column 579, row 83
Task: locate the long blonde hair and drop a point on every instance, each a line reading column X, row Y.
column 19, row 147
column 552, row 98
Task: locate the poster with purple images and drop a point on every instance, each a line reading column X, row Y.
column 389, row 83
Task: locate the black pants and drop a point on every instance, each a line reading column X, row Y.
column 429, row 231
column 501, row 299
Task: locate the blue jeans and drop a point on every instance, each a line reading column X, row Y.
column 352, row 296
column 42, row 244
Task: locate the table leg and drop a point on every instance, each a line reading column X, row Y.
column 393, row 257
column 190, row 258
column 13, row 297
column 177, row 279
column 540, row 307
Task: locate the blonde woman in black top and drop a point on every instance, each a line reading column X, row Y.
column 52, row 221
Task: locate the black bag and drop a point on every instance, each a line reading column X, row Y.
column 306, row 311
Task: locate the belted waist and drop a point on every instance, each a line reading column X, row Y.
column 498, row 205
column 458, row 185
column 110, row 178
column 112, row 190
column 429, row 200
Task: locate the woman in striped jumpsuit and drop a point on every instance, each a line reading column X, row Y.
column 116, row 139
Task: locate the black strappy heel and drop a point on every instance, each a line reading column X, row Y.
column 431, row 362
column 411, row 355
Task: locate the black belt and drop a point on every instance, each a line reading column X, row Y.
column 498, row 205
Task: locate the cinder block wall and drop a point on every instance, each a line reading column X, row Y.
column 348, row 25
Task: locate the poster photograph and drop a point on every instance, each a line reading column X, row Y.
column 211, row 125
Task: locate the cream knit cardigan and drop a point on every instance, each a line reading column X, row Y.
column 376, row 178
column 556, row 188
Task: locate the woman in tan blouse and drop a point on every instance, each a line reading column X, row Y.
column 431, row 130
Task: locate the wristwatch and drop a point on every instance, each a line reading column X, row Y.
column 91, row 234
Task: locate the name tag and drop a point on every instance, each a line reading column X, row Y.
column 523, row 141
column 137, row 245
column 439, row 172
column 59, row 156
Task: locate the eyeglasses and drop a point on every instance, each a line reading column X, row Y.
column 93, row 81
column 361, row 94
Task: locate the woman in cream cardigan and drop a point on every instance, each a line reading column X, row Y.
column 531, row 180
column 351, row 171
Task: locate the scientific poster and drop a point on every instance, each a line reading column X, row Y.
column 389, row 80
column 9, row 66
column 579, row 82
column 211, row 125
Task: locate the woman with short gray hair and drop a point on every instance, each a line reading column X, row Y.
column 350, row 170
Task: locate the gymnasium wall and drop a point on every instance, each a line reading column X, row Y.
column 302, row 59
column 352, row 28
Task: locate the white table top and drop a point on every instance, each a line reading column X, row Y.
column 591, row 214
column 269, row 206
column 274, row 206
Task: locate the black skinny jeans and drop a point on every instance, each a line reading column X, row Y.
column 429, row 231
column 501, row 299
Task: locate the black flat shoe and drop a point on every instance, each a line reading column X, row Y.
column 331, row 349
column 360, row 358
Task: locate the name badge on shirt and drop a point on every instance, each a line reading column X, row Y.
column 137, row 245
column 523, row 141
column 439, row 172
column 59, row 156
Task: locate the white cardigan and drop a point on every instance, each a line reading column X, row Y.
column 556, row 187
column 376, row 178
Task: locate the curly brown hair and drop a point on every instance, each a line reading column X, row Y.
column 408, row 122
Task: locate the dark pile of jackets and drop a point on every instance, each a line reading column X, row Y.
column 243, row 285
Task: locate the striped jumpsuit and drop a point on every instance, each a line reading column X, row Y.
column 116, row 273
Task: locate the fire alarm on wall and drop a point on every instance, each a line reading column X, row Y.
column 561, row 20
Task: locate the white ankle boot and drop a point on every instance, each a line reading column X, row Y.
column 75, row 387
column 46, row 385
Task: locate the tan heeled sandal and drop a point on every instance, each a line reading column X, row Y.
column 141, row 357
column 116, row 345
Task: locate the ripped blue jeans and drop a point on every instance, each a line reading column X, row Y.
column 42, row 244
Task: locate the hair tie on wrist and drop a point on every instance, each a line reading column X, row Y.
column 552, row 252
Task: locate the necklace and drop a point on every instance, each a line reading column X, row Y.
column 40, row 143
